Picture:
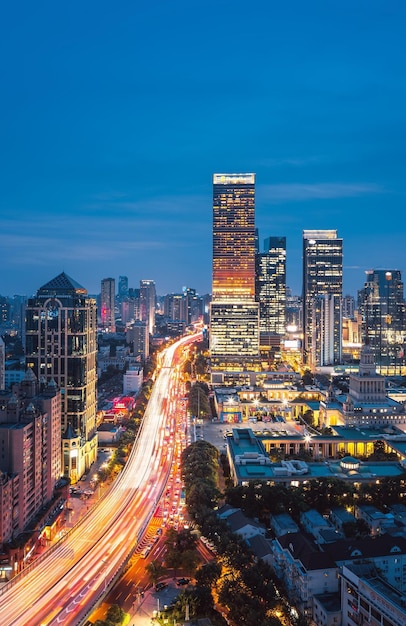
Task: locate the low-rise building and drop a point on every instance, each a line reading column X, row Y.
column 304, row 569
column 240, row 524
column 340, row 516
column 378, row 522
column 366, row 598
column 282, row 524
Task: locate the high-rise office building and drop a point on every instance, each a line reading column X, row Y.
column 322, row 276
column 348, row 307
column 30, row 462
column 61, row 345
column 325, row 319
column 148, row 304
column 122, row 287
column 234, row 313
column 137, row 336
column 18, row 316
column 107, row 305
column 175, row 307
column 233, row 237
column 382, row 306
column 130, row 307
column 194, row 305
column 270, row 288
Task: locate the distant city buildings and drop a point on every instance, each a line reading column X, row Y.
column 137, row 336
column 61, row 346
column 148, row 304
column 122, row 287
column 130, row 307
column 107, row 305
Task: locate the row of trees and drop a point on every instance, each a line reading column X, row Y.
column 261, row 500
column 236, row 580
column 198, row 404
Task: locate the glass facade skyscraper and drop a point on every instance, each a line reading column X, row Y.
column 107, row 305
column 233, row 237
column 382, row 306
column 61, row 346
column 148, row 304
column 322, row 279
column 234, row 313
column 271, row 287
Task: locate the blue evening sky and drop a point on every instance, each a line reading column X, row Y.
column 115, row 115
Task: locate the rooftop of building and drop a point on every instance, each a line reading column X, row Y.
column 284, row 520
column 367, row 548
column 251, row 462
column 364, row 433
column 302, row 548
column 330, row 602
column 368, row 574
column 62, row 284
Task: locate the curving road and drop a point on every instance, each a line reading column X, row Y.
column 63, row 587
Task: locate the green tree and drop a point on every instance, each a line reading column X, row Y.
column 115, row 614
column 187, row 598
column 307, row 378
column 198, row 400
column 208, row 574
column 200, row 364
column 155, row 571
column 308, row 417
column 190, row 559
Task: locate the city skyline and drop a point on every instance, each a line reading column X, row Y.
column 115, row 120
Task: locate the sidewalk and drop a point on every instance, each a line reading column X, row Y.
column 78, row 506
column 144, row 609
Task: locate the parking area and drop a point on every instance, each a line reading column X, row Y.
column 216, row 432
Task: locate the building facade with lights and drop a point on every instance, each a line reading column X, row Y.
column 148, row 304
column 382, row 306
column 30, row 462
column 270, row 290
column 61, row 345
column 234, row 313
column 322, row 295
column 107, row 305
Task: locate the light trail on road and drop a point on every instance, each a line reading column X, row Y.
column 64, row 585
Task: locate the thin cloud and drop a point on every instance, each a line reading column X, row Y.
column 293, row 161
column 176, row 205
column 297, row 192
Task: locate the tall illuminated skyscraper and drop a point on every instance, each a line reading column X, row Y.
column 234, row 315
column 270, row 290
column 61, row 346
column 148, row 304
column 107, row 305
column 322, row 294
column 382, row 306
column 122, row 287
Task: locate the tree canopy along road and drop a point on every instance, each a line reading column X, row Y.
column 64, row 585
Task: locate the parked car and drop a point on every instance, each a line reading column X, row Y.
column 160, row 586
column 182, row 581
